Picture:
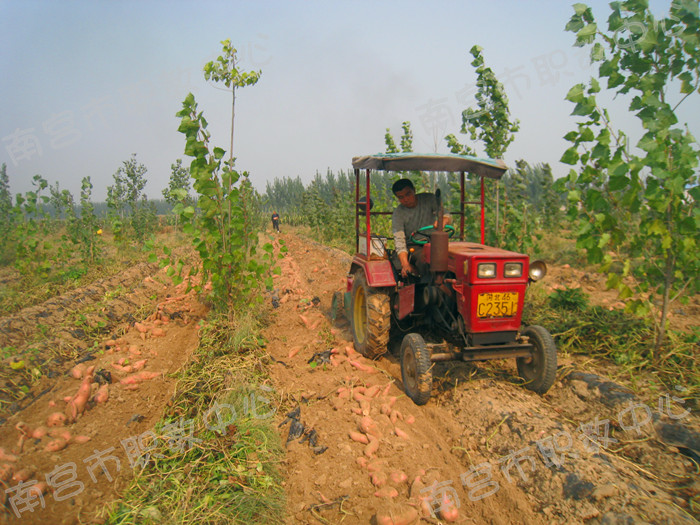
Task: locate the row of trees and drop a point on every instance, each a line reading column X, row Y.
column 47, row 233
column 326, row 202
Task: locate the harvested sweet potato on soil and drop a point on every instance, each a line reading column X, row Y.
column 359, row 437
column 56, row 445
column 57, row 419
column 405, row 516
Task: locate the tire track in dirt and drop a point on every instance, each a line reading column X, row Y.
column 414, row 442
column 504, row 454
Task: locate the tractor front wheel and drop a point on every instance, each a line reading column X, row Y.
column 371, row 318
column 540, row 370
column 416, row 369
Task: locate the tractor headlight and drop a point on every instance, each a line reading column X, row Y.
column 513, row 269
column 538, row 269
column 486, row 270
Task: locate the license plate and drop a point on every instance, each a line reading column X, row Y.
column 499, row 304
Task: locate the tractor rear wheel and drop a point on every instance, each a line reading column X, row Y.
column 540, row 370
column 371, row 318
column 416, row 369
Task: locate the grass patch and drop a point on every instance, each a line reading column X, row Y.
column 625, row 340
column 228, row 473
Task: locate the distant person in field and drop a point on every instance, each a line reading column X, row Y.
column 413, row 212
column 276, row 221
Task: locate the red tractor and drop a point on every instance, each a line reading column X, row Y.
column 467, row 304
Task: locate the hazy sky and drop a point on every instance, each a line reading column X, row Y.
column 85, row 84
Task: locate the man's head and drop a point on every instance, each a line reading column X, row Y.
column 405, row 192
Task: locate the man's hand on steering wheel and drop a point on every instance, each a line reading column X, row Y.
column 422, row 235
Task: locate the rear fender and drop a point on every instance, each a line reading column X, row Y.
column 378, row 272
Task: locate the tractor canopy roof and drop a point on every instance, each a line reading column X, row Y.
column 491, row 168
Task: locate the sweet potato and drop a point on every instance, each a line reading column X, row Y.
column 394, row 416
column 37, row 489
column 385, row 391
column 6, row 471
column 369, row 427
column 359, row 437
column 21, row 475
column 6, row 456
column 410, row 420
column 293, row 351
column 365, row 408
column 102, row 394
column 387, row 492
column 146, row 375
column 361, row 461
column 158, row 332
column 81, row 439
column 406, row 516
column 138, row 365
column 379, row 478
column 362, row 367
column 39, row 432
column 124, row 369
column 77, row 405
column 372, row 391
column 400, row 433
column 448, row 510
column 57, row 419
column 61, row 433
column 358, row 396
column 56, row 445
column 372, row 447
column 140, row 327
column 375, row 466
column 398, row 477
column 140, row 377
column 133, row 350
column 77, row 371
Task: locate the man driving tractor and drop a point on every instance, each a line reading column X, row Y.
column 413, row 212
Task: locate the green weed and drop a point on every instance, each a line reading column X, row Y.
column 230, row 474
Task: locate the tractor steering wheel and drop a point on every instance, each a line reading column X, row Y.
column 422, row 235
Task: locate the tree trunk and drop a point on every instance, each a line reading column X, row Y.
column 668, row 279
column 233, row 115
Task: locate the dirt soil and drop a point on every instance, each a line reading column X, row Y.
column 483, row 450
column 147, row 322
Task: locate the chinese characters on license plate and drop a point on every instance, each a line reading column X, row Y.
column 499, row 304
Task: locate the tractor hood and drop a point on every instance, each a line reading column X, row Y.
column 493, row 169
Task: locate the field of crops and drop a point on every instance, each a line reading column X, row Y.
column 184, row 361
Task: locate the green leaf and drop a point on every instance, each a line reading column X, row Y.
column 587, row 31
column 570, row 156
column 618, row 183
column 580, row 8
column 576, row 93
column 597, row 53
